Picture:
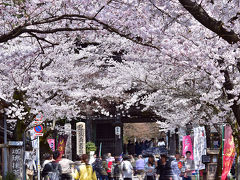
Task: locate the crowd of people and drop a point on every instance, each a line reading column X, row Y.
column 141, row 145
column 117, row 168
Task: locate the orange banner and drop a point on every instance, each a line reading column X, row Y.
column 229, row 152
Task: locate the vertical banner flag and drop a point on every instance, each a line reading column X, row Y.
column 68, row 148
column 199, row 147
column 51, row 143
column 187, row 145
column 229, row 152
column 62, row 144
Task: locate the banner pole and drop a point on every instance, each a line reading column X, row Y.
column 223, row 143
column 100, row 149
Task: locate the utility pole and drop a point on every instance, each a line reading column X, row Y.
column 5, row 168
column 38, row 159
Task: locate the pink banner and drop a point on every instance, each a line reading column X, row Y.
column 229, row 152
column 187, row 146
column 51, row 143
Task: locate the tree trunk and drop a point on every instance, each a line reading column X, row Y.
column 219, row 164
column 19, row 130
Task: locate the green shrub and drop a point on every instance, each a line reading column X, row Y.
column 90, row 146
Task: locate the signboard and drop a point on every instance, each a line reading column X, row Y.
column 62, row 144
column 51, row 143
column 39, row 117
column 38, row 129
column 206, row 159
column 68, row 148
column 81, row 138
column 200, row 146
column 187, row 146
column 16, row 161
column 15, row 143
column 117, row 130
column 37, row 122
column 229, row 152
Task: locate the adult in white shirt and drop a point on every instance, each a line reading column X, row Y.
column 161, row 142
column 127, row 169
column 66, row 167
column 92, row 157
column 48, row 158
column 110, row 158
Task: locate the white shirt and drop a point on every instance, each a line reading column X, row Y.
column 92, row 160
column 46, row 162
column 129, row 172
column 161, row 143
column 65, row 164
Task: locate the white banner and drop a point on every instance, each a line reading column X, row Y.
column 68, row 148
column 200, row 147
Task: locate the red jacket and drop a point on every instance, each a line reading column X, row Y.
column 109, row 167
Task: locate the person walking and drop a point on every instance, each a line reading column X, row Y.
column 30, row 165
column 176, row 166
column 110, row 157
column 109, row 170
column 52, row 170
column 189, row 166
column 97, row 167
column 150, row 168
column 161, row 142
column 127, row 169
column 140, row 167
column 66, row 168
column 104, row 174
column 47, row 159
column 84, row 171
column 116, row 169
column 164, row 168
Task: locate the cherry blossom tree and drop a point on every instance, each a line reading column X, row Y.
column 181, row 56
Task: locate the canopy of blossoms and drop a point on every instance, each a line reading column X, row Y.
column 179, row 58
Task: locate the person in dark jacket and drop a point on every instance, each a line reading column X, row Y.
column 164, row 168
column 116, row 169
column 50, row 167
column 104, row 174
column 97, row 167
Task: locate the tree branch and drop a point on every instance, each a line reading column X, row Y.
column 212, row 24
column 50, row 31
column 11, row 35
column 51, row 97
column 43, row 66
column 23, row 29
column 102, row 8
column 42, row 39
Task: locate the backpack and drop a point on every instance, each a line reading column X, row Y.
column 98, row 167
column 54, row 174
column 124, row 167
column 116, row 170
